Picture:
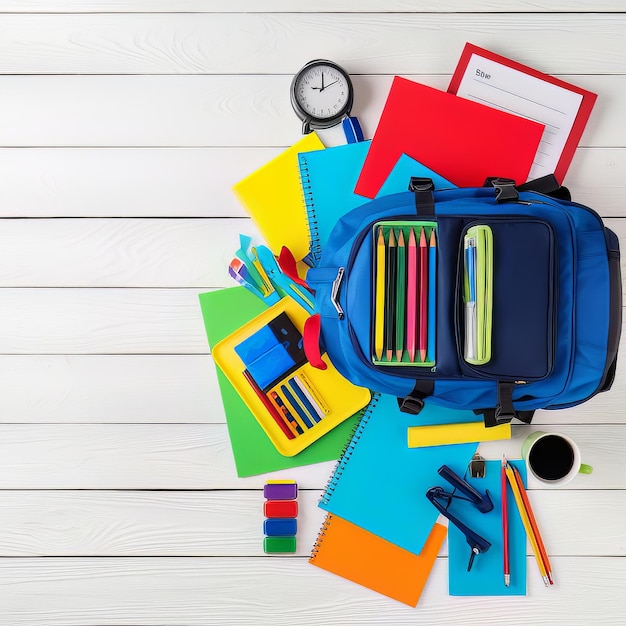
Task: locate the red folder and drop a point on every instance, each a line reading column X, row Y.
column 461, row 140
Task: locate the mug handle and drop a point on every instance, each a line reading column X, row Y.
column 585, row 469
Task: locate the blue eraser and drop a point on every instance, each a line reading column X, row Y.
column 280, row 526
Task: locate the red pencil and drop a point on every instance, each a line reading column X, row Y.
column 423, row 295
column 505, row 525
column 278, row 418
column 411, row 297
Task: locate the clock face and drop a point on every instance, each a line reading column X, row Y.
column 322, row 91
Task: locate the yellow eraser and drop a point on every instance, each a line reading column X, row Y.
column 444, row 434
column 280, row 482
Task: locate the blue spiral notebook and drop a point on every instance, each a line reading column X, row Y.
column 328, row 178
column 380, row 483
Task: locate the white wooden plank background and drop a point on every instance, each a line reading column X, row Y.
column 122, row 127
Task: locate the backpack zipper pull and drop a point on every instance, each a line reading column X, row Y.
column 334, row 294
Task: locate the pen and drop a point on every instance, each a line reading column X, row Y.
column 275, row 398
column 276, row 416
column 533, row 523
column 505, row 523
column 526, row 523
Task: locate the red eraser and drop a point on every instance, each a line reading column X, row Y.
column 280, row 508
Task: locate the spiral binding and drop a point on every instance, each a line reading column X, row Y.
column 346, row 453
column 320, row 537
column 309, row 204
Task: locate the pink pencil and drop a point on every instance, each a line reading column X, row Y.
column 423, row 295
column 411, row 297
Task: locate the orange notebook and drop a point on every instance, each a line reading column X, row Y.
column 364, row 558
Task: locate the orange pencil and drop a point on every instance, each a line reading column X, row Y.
column 423, row 295
column 533, row 523
column 411, row 297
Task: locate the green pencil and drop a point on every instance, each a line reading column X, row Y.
column 400, row 295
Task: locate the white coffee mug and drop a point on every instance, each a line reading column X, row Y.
column 553, row 458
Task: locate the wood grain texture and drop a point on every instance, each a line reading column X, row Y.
column 196, row 182
column 176, row 389
column 303, row 6
column 262, row 43
column 230, row 523
column 203, row 592
column 109, row 389
column 202, row 111
column 198, row 456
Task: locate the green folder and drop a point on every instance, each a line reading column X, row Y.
column 224, row 311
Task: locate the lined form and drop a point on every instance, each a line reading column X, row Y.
column 514, row 91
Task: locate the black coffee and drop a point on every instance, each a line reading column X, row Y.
column 551, row 457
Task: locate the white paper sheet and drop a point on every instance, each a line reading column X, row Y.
column 511, row 90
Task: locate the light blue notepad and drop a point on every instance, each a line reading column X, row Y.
column 328, row 179
column 486, row 578
column 380, row 483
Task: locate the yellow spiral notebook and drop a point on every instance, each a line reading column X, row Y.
column 272, row 197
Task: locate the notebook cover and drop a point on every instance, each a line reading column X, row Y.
column 464, row 141
column 224, row 311
column 364, row 558
column 328, row 179
column 486, row 578
column 272, row 197
column 380, row 483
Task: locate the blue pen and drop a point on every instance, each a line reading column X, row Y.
column 432, row 295
column 470, row 303
column 293, row 383
column 296, row 406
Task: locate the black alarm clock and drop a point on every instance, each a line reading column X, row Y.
column 321, row 95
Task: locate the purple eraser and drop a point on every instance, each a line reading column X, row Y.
column 280, row 491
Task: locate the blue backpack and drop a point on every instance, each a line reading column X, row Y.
column 523, row 303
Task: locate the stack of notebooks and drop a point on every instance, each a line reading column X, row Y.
column 380, row 530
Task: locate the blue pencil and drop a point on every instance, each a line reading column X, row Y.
column 432, row 295
column 296, row 407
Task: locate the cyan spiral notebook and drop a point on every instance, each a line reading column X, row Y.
column 486, row 578
column 328, row 178
column 380, row 483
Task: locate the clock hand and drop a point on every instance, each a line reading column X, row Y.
column 322, row 89
column 327, row 86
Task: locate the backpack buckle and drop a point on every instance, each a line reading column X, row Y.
column 505, row 189
column 411, row 405
column 420, row 184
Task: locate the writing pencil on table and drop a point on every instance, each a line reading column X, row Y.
column 379, row 319
column 390, row 299
column 400, row 295
column 526, row 523
column 411, row 296
column 423, row 295
column 533, row 523
column 432, row 294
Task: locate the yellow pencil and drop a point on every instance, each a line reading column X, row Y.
column 526, row 522
column 379, row 329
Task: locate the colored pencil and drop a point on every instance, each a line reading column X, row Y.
column 379, row 315
column 526, row 522
column 276, row 400
column 276, row 416
column 411, row 296
column 390, row 299
column 533, row 523
column 432, row 295
column 505, row 524
column 423, row 295
column 292, row 402
column 400, row 295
